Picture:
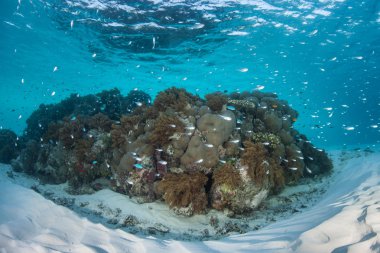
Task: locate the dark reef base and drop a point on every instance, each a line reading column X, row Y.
column 228, row 152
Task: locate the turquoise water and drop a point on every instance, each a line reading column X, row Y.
column 321, row 56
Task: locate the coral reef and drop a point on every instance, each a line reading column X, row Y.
column 110, row 103
column 228, row 152
column 8, row 145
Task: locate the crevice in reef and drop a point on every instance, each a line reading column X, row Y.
column 228, row 152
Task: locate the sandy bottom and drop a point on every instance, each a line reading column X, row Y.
column 338, row 213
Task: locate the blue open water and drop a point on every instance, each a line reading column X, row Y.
column 322, row 56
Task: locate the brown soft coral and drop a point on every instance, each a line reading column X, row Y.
column 216, row 101
column 175, row 98
column 185, row 191
column 128, row 125
column 165, row 126
column 226, row 183
column 100, row 122
column 227, row 175
column 264, row 170
column 255, row 157
column 70, row 132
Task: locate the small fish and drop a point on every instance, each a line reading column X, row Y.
column 265, row 162
column 129, row 182
column 209, row 145
column 190, row 127
column 374, row 126
column 154, row 42
column 293, row 168
column 163, row 162
column 243, row 70
column 266, row 143
column 308, row 170
column 55, row 68
column 199, row 161
column 94, row 162
column 93, row 55
column 328, row 108
column 259, row 87
column 226, row 117
column 137, row 158
column 349, row 128
column 235, row 141
column 71, row 24
column 19, row 116
column 172, row 125
column 267, row 172
column 138, row 166
column 345, row 106
column 310, row 158
column 232, row 108
column 159, row 150
column 138, row 103
column 222, row 161
column 22, row 81
column 53, row 93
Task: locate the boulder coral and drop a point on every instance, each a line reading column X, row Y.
column 228, row 152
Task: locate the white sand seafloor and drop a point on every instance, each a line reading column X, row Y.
column 341, row 213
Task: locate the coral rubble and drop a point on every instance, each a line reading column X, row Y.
column 228, row 152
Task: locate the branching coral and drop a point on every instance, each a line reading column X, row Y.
column 216, row 101
column 185, row 191
column 174, row 98
column 164, row 127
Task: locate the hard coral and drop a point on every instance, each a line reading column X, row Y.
column 185, row 191
column 267, row 139
column 164, row 127
column 216, row 101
